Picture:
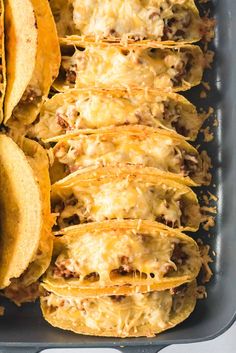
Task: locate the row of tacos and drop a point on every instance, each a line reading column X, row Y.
column 118, row 264
column 121, row 171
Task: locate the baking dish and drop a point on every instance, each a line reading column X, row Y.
column 24, row 330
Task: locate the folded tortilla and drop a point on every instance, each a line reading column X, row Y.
column 26, row 221
column 91, row 109
column 138, row 145
column 102, row 255
column 140, row 314
column 96, row 194
column 113, row 66
column 32, row 56
column 164, row 20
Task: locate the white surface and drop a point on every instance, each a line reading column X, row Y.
column 223, row 344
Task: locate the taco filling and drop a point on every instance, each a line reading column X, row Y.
column 77, row 109
column 150, row 150
column 115, row 67
column 173, row 205
column 164, row 20
column 124, row 256
column 135, row 315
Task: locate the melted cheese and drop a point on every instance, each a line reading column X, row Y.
column 152, row 151
column 105, row 252
column 121, row 200
column 112, row 67
column 148, row 313
column 176, row 20
column 78, row 110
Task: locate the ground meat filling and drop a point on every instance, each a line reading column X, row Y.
column 79, row 214
column 69, row 269
column 179, row 290
column 62, row 122
column 178, row 257
column 59, row 206
column 176, row 27
column 172, row 115
column 64, row 269
column 190, row 164
column 183, row 69
column 71, row 75
column 117, row 298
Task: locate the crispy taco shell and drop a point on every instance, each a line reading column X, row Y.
column 130, row 252
column 91, row 109
column 140, row 314
column 32, row 56
column 131, row 192
column 21, row 211
column 113, row 66
column 30, row 210
column 138, row 145
column 130, row 22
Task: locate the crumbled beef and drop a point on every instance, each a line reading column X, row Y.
column 169, row 223
column 92, row 277
column 113, row 32
column 180, row 129
column 145, row 237
column 58, row 206
column 73, row 220
column 183, row 70
column 19, row 293
column 61, row 270
column 179, row 290
column 62, row 122
column 178, row 256
column 125, row 264
column 71, row 76
column 71, row 200
column 184, row 219
column 117, row 298
column 190, row 164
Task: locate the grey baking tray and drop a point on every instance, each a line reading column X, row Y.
column 24, row 330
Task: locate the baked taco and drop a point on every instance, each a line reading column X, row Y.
column 113, row 66
column 26, row 221
column 140, row 314
column 95, row 194
column 91, row 109
column 32, row 56
column 137, row 145
column 164, row 20
column 105, row 257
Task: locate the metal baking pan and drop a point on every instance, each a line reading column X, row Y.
column 24, row 330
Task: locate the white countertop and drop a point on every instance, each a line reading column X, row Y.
column 226, row 343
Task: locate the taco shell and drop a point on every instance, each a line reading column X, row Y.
column 32, row 56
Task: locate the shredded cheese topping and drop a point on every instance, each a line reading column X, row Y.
column 126, row 257
column 122, row 315
column 122, row 199
column 160, row 20
column 113, row 67
column 91, row 110
column 151, row 150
